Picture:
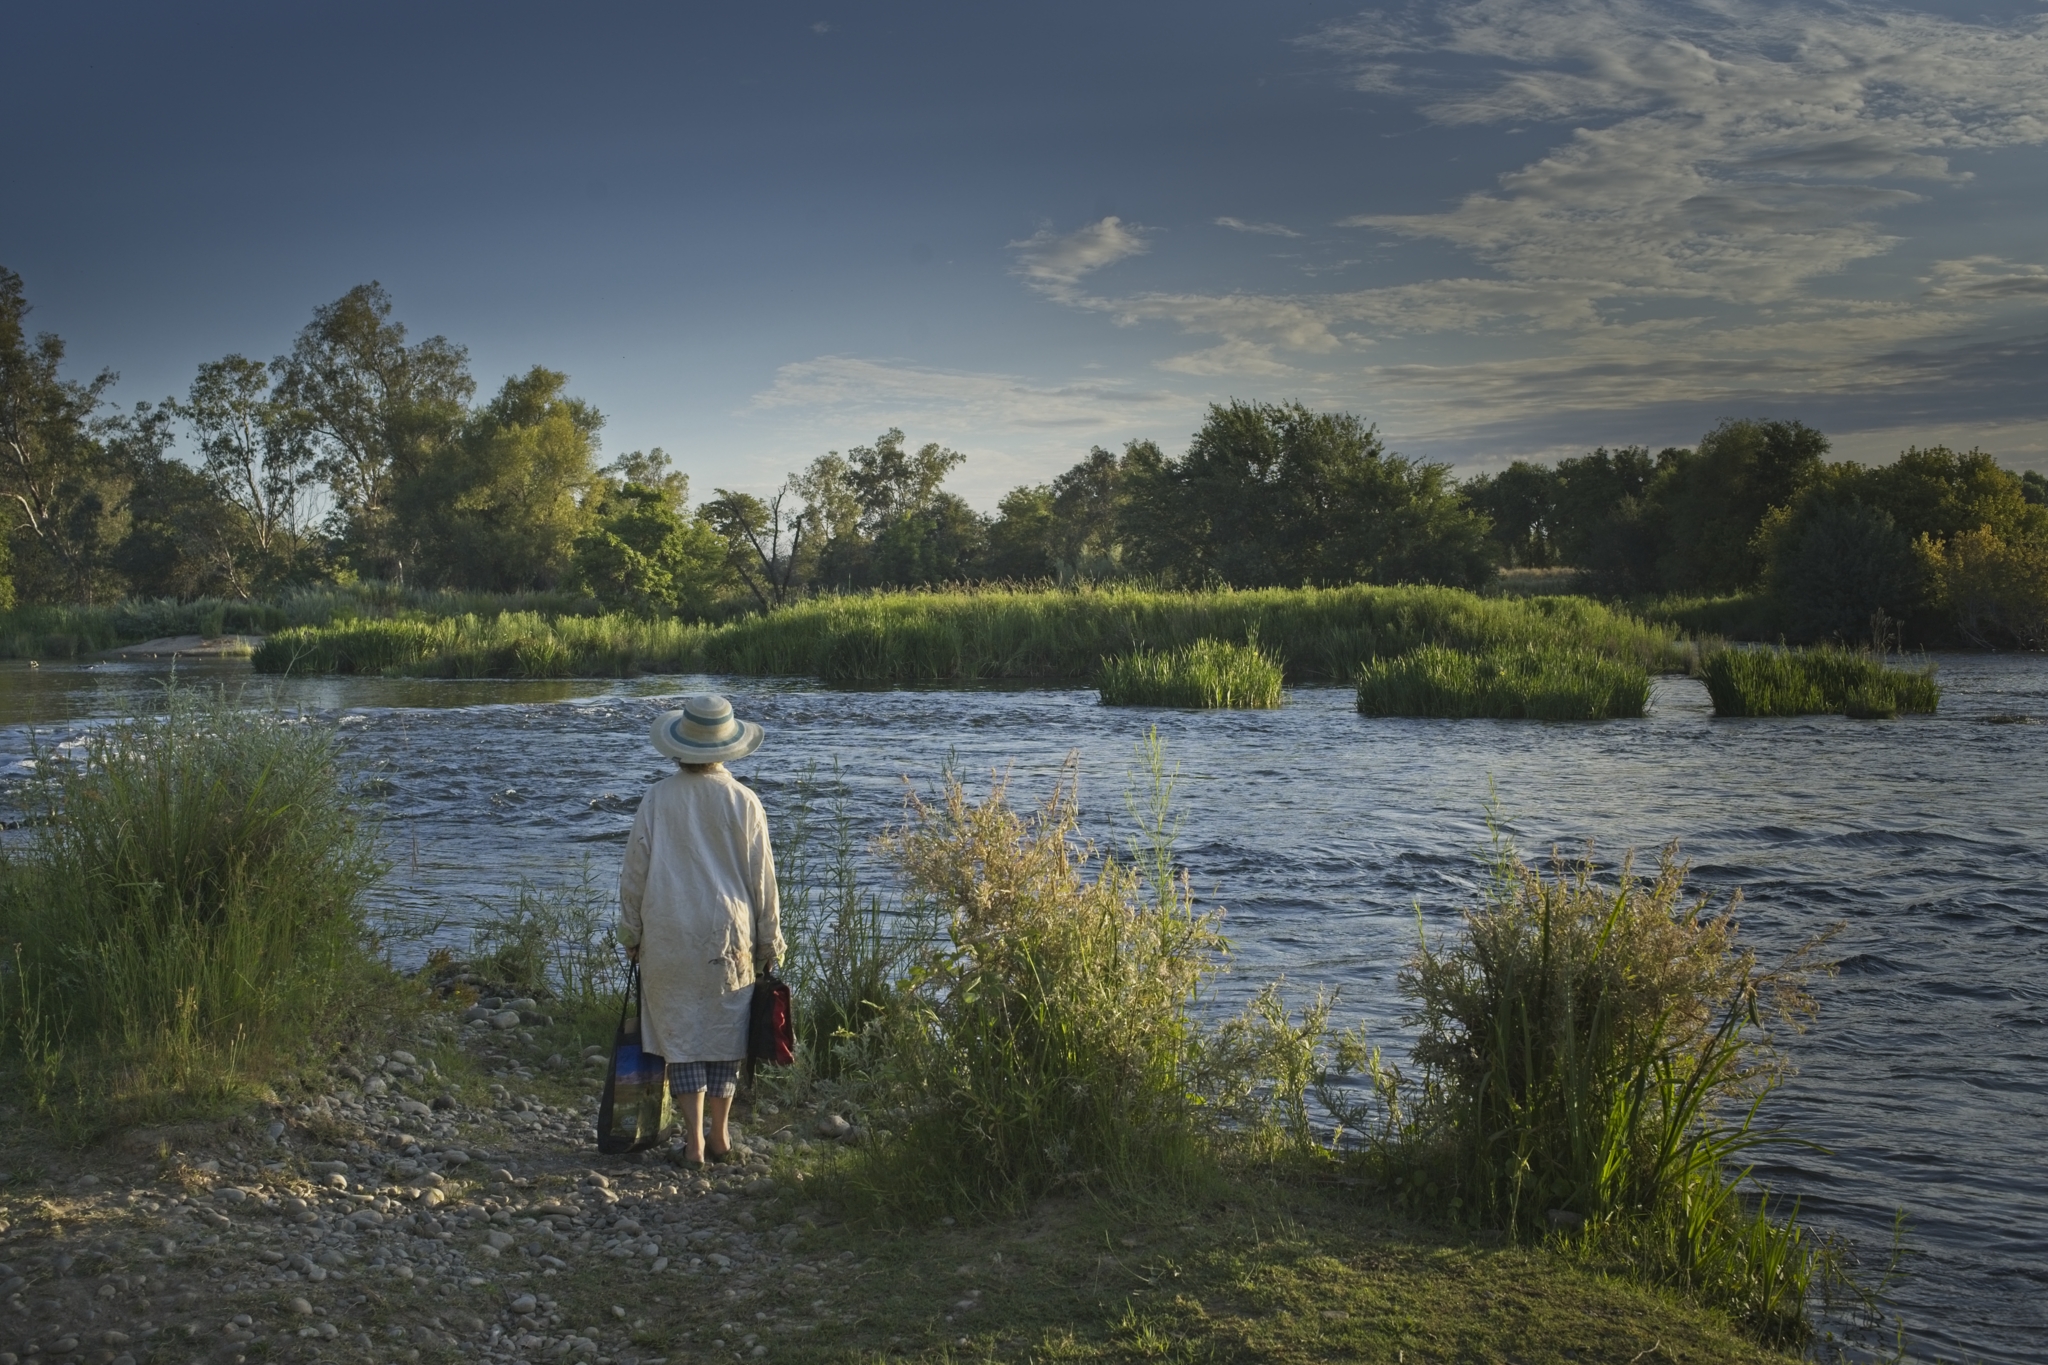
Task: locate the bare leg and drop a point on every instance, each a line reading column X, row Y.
column 692, row 1105
column 719, row 1139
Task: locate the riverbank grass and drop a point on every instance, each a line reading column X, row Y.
column 1510, row 683
column 965, row 635
column 1206, row 675
column 1820, row 681
column 188, row 909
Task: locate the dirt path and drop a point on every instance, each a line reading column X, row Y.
column 388, row 1215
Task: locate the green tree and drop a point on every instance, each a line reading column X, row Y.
column 1845, row 545
column 255, row 457
column 1271, row 495
column 644, row 553
column 1714, row 500
column 771, row 545
column 371, row 410
column 1520, row 503
column 64, row 496
column 1836, row 562
column 1020, row 537
column 878, row 517
column 500, row 505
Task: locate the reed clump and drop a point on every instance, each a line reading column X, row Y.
column 1207, row 675
column 847, row 947
column 555, row 942
column 1821, row 681
column 1047, row 1038
column 968, row 634
column 1510, row 683
column 1590, row 1057
column 189, row 905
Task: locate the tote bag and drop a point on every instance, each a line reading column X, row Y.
column 771, row 1036
column 635, row 1110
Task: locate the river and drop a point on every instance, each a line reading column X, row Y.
column 1320, row 832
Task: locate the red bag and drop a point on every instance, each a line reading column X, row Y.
column 771, row 1036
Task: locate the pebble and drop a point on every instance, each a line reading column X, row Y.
column 525, row 1303
column 833, row 1126
column 505, row 1019
column 376, row 1085
column 300, row 1307
column 405, row 1059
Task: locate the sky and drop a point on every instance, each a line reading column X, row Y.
column 1500, row 229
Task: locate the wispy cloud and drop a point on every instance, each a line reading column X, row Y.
column 1728, row 151
column 1263, row 229
column 1055, row 262
column 1690, row 236
column 1986, row 277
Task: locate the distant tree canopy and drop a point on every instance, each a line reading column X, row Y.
column 360, row 453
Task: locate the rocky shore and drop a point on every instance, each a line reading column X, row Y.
column 390, row 1213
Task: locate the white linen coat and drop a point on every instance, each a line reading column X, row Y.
column 697, row 895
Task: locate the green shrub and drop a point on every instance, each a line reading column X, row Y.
column 1590, row 1054
column 1206, row 674
column 1047, row 1039
column 1528, row 683
column 190, row 902
column 1804, row 682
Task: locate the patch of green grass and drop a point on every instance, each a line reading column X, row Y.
column 1510, row 683
column 1208, row 675
column 963, row 635
column 1735, row 616
column 1240, row 1267
column 1820, row 681
column 60, row 631
column 189, row 904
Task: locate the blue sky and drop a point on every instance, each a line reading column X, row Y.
column 752, row 233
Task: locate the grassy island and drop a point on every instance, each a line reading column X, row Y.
column 1529, row 683
column 1208, row 674
column 1806, row 682
column 1314, row 633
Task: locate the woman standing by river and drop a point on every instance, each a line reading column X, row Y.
column 698, row 912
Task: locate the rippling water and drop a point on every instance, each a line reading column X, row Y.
column 1320, row 831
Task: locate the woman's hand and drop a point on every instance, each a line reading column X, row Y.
column 764, row 961
column 633, row 953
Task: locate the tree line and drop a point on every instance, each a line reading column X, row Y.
column 1939, row 546
column 360, row 454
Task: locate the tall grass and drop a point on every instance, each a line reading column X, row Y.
column 1591, row 1057
column 1208, row 674
column 1529, row 682
column 555, row 942
column 1048, row 1039
column 974, row 634
column 1819, row 681
column 189, row 903
column 847, row 948
column 52, row 631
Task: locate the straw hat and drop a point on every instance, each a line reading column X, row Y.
column 705, row 731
